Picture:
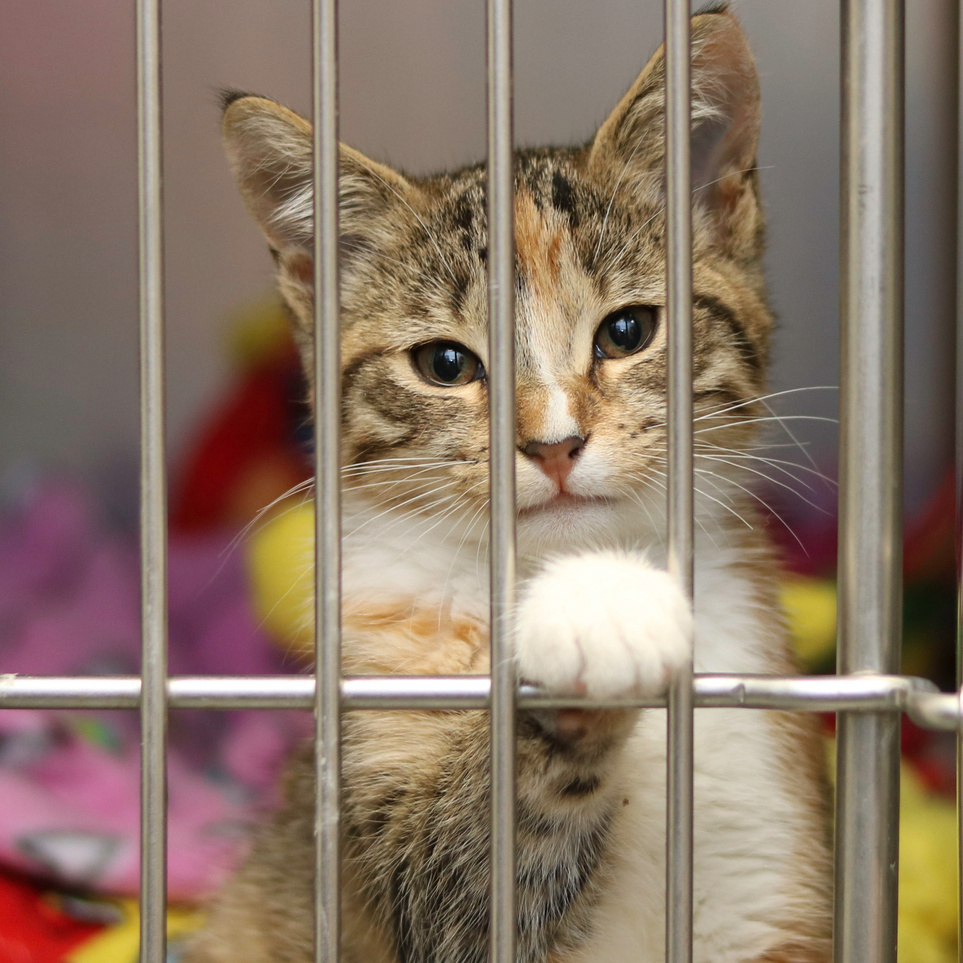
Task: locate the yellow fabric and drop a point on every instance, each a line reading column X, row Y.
column 258, row 331
column 121, row 943
column 810, row 606
column 927, row 875
column 280, row 561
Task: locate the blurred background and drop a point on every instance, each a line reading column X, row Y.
column 412, row 95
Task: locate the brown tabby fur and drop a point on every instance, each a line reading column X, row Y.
column 590, row 237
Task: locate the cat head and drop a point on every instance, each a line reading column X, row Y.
column 590, row 301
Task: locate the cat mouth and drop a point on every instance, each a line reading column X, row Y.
column 564, row 502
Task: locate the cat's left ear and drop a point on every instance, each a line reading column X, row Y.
column 630, row 146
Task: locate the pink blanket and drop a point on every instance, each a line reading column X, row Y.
column 69, row 605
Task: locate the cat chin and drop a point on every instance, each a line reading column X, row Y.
column 568, row 525
column 575, row 525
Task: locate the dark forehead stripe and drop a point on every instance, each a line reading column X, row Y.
column 721, row 314
column 563, row 198
column 463, row 222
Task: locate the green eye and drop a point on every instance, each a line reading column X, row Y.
column 447, row 363
column 625, row 331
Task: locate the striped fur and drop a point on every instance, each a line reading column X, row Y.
column 597, row 612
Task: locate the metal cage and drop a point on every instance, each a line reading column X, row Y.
column 868, row 693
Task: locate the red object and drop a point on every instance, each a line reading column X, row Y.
column 245, row 455
column 33, row 929
column 929, row 548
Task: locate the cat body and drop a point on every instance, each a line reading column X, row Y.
column 597, row 613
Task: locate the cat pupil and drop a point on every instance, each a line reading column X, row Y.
column 449, row 362
column 625, row 332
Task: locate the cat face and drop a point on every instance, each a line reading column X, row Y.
column 590, row 304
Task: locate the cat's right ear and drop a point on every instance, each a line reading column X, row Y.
column 629, row 148
column 270, row 151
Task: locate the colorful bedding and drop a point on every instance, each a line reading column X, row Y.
column 69, row 781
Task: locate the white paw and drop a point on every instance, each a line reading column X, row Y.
column 605, row 624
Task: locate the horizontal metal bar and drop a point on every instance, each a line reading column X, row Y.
column 936, row 710
column 852, row 693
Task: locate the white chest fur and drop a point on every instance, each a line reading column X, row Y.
column 611, row 621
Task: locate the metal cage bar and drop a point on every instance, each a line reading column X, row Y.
column 502, row 432
column 153, row 490
column 863, row 692
column 871, row 471
column 327, row 516
column 678, row 936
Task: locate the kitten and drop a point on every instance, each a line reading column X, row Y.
column 597, row 612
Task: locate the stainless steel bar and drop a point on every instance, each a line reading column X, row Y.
column 871, row 468
column 935, row 710
column 327, row 448
column 153, row 491
column 501, row 381
column 680, row 500
column 855, row 693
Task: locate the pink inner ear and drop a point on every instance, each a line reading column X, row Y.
column 724, row 80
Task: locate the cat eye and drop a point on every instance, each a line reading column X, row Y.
column 625, row 331
column 447, row 363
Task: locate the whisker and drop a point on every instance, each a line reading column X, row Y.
column 615, row 191
column 745, row 170
column 397, row 464
column 395, row 483
column 469, row 528
column 777, row 463
column 661, row 484
column 763, row 418
column 301, row 486
column 704, row 494
column 724, row 407
column 761, row 399
column 395, row 508
column 769, row 478
column 762, row 502
column 614, row 259
column 792, row 436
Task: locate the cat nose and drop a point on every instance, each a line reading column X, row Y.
column 556, row 459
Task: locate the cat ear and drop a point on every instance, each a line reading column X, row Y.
column 725, row 130
column 270, row 151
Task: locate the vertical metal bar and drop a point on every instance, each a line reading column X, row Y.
column 153, row 491
column 871, row 471
column 501, row 380
column 327, row 442
column 679, row 303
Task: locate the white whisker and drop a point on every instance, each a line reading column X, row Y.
column 769, row 478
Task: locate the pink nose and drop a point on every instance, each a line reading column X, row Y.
column 556, row 460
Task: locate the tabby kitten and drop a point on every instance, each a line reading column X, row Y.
column 597, row 613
